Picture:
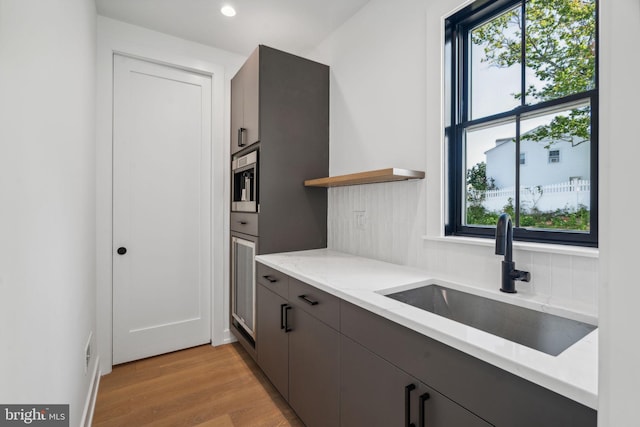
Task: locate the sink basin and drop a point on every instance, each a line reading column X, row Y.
column 544, row 332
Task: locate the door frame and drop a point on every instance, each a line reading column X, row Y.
column 112, row 42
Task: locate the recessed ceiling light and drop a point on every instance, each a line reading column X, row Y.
column 228, row 10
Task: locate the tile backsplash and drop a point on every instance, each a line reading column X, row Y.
column 374, row 220
column 387, row 221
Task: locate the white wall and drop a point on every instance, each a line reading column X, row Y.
column 116, row 36
column 386, row 98
column 378, row 65
column 619, row 236
column 47, row 201
column 385, row 68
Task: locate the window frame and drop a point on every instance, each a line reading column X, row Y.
column 457, row 96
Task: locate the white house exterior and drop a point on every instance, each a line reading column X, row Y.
column 550, row 178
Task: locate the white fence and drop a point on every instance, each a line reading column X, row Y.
column 543, row 197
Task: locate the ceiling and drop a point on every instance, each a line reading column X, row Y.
column 296, row 26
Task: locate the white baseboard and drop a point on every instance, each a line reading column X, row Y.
column 90, row 403
column 227, row 338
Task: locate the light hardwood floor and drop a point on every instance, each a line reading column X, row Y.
column 202, row 386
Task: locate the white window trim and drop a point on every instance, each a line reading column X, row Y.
column 579, row 251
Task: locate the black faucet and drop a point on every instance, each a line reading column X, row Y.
column 504, row 246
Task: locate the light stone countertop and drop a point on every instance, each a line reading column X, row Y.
column 362, row 281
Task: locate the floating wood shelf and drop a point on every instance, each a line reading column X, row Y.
column 368, row 177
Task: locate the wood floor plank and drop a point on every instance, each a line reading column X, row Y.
column 223, row 421
column 203, row 386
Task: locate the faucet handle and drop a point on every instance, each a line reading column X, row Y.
column 523, row 276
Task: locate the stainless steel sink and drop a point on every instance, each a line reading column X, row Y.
column 544, row 332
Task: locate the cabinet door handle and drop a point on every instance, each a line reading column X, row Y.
column 271, row 279
column 423, row 398
column 308, row 300
column 407, row 405
column 241, row 141
column 286, row 318
column 282, row 324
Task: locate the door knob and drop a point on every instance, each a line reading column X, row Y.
column 122, row 250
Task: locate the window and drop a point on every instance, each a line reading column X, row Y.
column 554, row 156
column 522, row 89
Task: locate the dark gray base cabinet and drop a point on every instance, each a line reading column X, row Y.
column 299, row 353
column 314, row 370
column 497, row 396
column 375, row 393
column 341, row 365
column 273, row 344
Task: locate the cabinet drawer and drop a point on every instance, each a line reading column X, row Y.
column 243, row 222
column 321, row 305
column 273, row 280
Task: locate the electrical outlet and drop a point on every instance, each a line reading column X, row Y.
column 87, row 353
column 360, row 219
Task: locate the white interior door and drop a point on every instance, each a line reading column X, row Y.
column 161, row 209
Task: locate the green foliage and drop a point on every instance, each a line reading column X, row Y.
column 478, row 215
column 559, row 219
column 477, row 177
column 478, row 183
column 559, row 49
column 508, row 208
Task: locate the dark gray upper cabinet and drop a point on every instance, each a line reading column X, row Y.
column 285, row 111
column 294, row 146
column 245, row 124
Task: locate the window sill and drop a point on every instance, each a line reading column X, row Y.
column 524, row 246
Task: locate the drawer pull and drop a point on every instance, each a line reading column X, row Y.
column 407, row 405
column 423, row 398
column 243, row 222
column 308, row 300
column 271, row 279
